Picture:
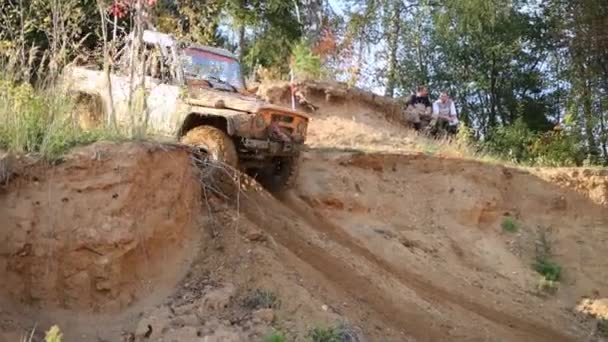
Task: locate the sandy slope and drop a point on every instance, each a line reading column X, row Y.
column 392, row 244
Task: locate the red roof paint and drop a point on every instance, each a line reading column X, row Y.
column 201, row 53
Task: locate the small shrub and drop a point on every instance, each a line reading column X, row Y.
column 509, row 225
column 276, row 336
column 340, row 333
column 549, row 269
column 262, row 299
column 329, row 334
column 544, row 265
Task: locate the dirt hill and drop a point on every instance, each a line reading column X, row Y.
column 378, row 239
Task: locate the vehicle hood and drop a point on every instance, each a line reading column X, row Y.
column 235, row 101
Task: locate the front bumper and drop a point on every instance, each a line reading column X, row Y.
column 272, row 147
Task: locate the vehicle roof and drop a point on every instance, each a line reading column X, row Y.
column 166, row 40
column 214, row 50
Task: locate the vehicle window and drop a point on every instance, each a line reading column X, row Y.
column 199, row 64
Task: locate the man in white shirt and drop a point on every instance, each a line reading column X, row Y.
column 444, row 112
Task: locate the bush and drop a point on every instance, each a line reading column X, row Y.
column 547, row 268
column 558, row 148
column 39, row 121
column 512, row 142
column 518, row 143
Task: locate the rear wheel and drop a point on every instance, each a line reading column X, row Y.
column 281, row 175
column 88, row 111
column 215, row 155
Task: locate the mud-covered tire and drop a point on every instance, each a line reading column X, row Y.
column 88, row 112
column 216, row 147
column 281, row 175
column 217, row 144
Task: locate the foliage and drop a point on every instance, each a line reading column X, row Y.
column 54, row 334
column 512, row 142
column 341, row 333
column 547, row 268
column 502, row 61
column 509, row 225
column 262, row 299
column 465, row 135
column 305, row 64
column 518, row 143
column 544, row 264
column 516, row 68
column 58, row 30
column 276, row 336
column 557, row 148
column 39, row 121
column 329, row 334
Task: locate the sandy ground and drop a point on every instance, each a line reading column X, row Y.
column 119, row 243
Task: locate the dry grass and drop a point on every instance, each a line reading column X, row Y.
column 40, row 121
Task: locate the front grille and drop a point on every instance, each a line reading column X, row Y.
column 287, row 130
column 282, row 118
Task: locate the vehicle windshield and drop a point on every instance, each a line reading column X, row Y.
column 205, row 65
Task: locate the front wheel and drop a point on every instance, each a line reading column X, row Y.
column 215, row 154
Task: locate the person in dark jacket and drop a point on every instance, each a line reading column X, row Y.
column 417, row 106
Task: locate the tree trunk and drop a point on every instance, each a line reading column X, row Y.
column 592, row 151
column 106, row 67
column 493, row 95
column 241, row 54
column 393, row 47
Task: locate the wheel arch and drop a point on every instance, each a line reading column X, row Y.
column 97, row 108
column 199, row 119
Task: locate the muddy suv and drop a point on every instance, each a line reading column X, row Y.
column 197, row 95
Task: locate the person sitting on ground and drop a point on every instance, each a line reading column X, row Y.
column 418, row 106
column 444, row 111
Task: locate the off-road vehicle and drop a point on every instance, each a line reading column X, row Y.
column 197, row 95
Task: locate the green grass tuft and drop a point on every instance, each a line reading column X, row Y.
column 329, row 334
column 342, row 332
column 509, row 225
column 262, row 299
column 276, row 336
column 549, row 269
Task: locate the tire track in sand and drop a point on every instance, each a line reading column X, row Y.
column 278, row 220
column 525, row 329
